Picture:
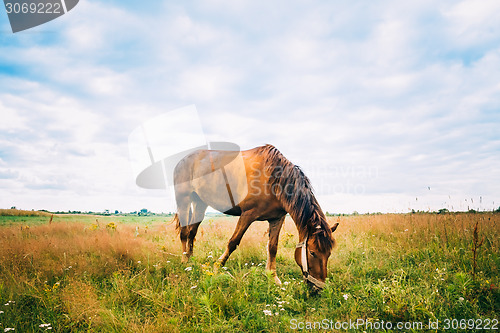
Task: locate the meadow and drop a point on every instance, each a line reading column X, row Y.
column 81, row 273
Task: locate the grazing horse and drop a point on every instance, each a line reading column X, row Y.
column 265, row 186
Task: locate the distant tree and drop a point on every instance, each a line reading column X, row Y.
column 443, row 211
column 498, row 210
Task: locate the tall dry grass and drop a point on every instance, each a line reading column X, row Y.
column 20, row 212
column 48, row 252
column 419, row 230
column 110, row 275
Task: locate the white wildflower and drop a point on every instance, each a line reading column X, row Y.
column 267, row 312
column 187, row 269
column 346, row 296
column 193, row 287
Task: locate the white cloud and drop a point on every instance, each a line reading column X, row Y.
column 407, row 89
column 11, row 119
column 206, row 83
column 473, row 23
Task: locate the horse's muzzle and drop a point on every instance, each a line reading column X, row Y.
column 314, row 289
column 313, row 283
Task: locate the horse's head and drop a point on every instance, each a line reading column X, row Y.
column 312, row 254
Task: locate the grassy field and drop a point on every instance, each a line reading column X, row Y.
column 82, row 273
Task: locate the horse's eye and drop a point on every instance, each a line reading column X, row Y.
column 312, row 253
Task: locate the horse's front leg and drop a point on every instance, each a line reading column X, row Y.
column 184, row 232
column 183, row 217
column 272, row 246
column 244, row 222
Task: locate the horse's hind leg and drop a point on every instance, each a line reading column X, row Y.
column 185, row 215
column 199, row 208
column 244, row 222
column 272, row 246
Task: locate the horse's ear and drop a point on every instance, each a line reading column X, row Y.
column 335, row 227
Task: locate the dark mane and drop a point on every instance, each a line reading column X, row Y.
column 292, row 187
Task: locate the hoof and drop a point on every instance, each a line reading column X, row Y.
column 272, row 274
column 221, row 261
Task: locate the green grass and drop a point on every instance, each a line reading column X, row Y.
column 37, row 220
column 80, row 275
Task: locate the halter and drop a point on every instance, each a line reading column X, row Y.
column 305, row 270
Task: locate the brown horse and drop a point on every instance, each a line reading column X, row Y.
column 264, row 186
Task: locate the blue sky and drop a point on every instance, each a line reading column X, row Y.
column 387, row 106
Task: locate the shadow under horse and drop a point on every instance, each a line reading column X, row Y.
column 257, row 184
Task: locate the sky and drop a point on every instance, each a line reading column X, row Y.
column 387, row 106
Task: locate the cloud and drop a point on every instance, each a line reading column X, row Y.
column 472, row 25
column 206, row 83
column 11, row 119
column 408, row 90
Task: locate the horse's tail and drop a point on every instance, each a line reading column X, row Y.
column 177, row 223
